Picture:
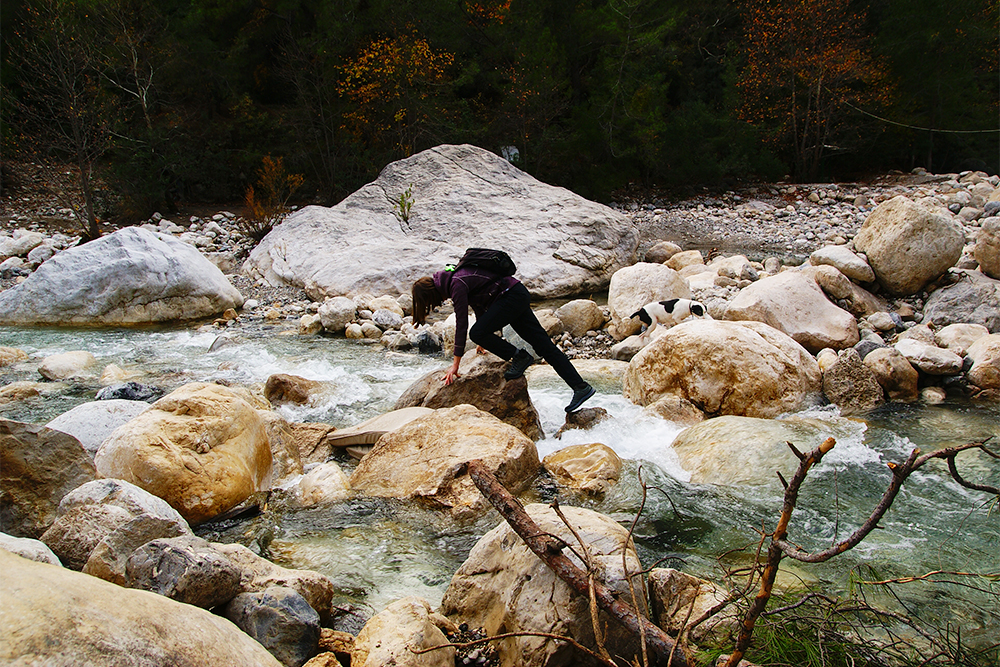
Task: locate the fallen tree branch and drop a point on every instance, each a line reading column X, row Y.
column 507, row 635
column 549, row 551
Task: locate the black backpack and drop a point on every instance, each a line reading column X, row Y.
column 494, row 261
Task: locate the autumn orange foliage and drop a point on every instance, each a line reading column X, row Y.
column 267, row 204
column 391, row 84
column 807, row 62
column 487, row 11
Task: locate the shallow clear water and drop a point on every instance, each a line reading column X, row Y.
column 376, row 551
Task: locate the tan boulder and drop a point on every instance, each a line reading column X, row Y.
column 66, row 365
column 102, row 522
column 324, row 483
column 898, row 377
column 203, row 448
column 908, row 246
column 61, row 618
column 480, row 383
column 580, row 316
column 792, row 302
column 959, row 336
column 284, row 388
column 739, row 451
column 987, row 251
column 286, row 457
column 78, row 530
column 389, row 635
column 928, row 357
column 634, row 286
column 38, row 466
column 677, row 599
column 676, row 409
column 662, row 251
column 424, row 459
column 592, row 468
column 851, row 385
column 684, row 259
column 504, row 587
column 739, row 368
column 20, row 390
column 386, row 302
column 844, row 260
column 11, row 355
column 985, row 355
column 309, row 438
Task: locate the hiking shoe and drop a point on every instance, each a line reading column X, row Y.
column 518, row 365
column 580, row 396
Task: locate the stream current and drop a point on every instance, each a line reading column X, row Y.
column 376, row 551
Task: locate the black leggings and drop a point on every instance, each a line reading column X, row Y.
column 513, row 307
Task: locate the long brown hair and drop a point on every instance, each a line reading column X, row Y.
column 425, row 298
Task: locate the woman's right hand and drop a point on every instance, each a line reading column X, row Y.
column 452, row 372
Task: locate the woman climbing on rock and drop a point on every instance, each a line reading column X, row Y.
column 497, row 300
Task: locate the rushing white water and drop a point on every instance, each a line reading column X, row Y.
column 376, row 551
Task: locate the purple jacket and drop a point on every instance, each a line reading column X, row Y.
column 467, row 287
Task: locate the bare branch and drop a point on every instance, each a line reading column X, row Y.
column 591, row 580
column 507, row 635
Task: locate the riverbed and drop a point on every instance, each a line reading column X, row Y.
column 377, row 551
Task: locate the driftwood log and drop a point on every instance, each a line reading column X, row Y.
column 550, row 550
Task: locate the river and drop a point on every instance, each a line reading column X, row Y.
column 376, row 551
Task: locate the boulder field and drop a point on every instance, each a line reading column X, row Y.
column 898, row 301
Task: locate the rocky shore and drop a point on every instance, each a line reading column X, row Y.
column 846, row 294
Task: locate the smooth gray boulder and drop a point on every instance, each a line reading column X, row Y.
column 281, row 620
column 462, row 196
column 132, row 276
column 25, row 547
column 974, row 299
column 186, row 568
column 91, row 423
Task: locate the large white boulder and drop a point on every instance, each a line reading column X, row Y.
column 908, row 246
column 462, row 196
column 132, row 276
column 735, row 368
column 91, row 423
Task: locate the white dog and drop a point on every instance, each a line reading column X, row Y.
column 667, row 313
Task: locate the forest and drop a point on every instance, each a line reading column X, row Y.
column 171, row 101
